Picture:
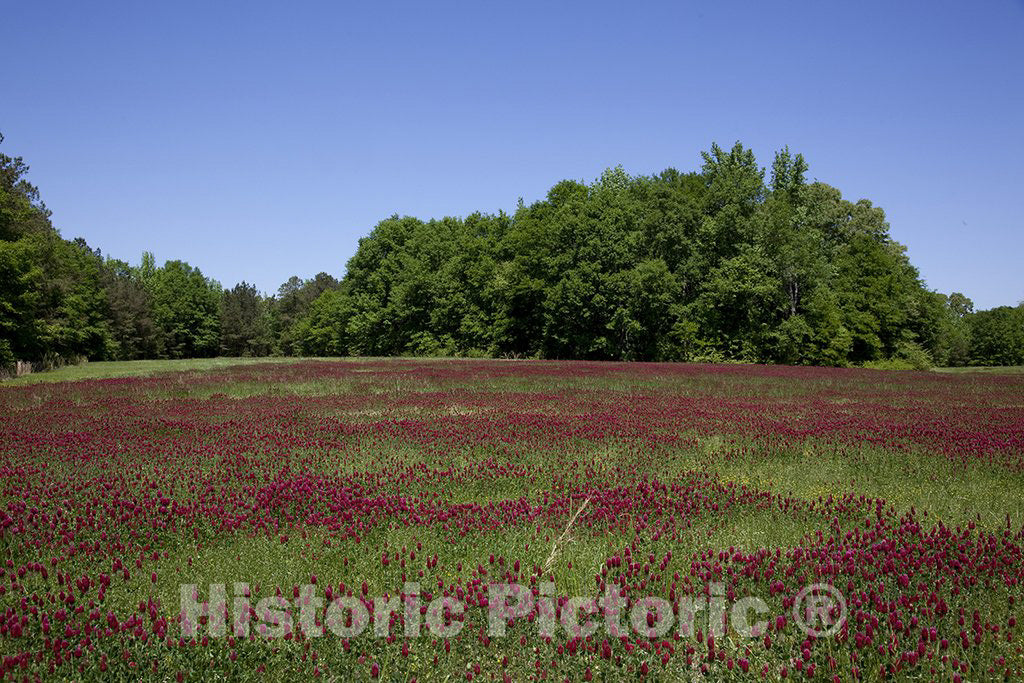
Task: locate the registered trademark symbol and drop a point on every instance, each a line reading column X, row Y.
column 820, row 610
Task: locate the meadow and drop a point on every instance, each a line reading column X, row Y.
column 900, row 490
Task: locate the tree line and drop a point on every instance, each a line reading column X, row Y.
column 732, row 262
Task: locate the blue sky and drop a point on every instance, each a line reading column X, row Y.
column 259, row 140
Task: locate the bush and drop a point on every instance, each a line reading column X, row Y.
column 915, row 356
column 908, row 356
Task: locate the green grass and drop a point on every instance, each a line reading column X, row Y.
column 143, row 368
column 140, row 368
column 133, row 368
column 995, row 370
column 942, row 489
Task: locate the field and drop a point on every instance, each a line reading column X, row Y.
column 670, row 485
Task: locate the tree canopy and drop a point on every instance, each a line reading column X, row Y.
column 729, row 262
column 716, row 264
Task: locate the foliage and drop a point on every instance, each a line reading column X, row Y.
column 997, row 336
column 714, row 265
column 52, row 304
column 132, row 320
column 186, row 306
column 291, row 305
column 244, row 322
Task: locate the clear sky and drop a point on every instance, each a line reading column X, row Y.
column 258, row 140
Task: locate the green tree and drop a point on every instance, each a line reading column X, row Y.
column 245, row 324
column 186, row 307
column 715, row 264
column 997, row 336
column 52, row 306
column 291, row 304
column 324, row 329
column 130, row 309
